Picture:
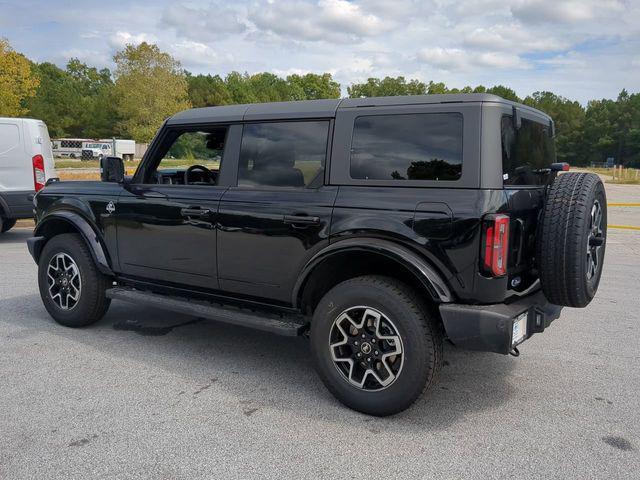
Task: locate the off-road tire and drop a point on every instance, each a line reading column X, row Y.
column 92, row 303
column 7, row 224
column 421, row 337
column 564, row 237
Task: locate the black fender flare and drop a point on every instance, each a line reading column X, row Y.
column 418, row 266
column 88, row 233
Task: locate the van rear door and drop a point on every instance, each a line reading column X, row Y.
column 44, row 143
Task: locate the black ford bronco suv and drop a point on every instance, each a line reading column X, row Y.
column 379, row 227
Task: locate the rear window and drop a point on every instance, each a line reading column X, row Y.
column 425, row 146
column 527, row 153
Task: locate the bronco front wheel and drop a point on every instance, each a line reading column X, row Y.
column 71, row 287
column 374, row 344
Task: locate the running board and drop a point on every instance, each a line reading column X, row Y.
column 290, row 325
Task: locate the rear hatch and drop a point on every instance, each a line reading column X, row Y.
column 527, row 154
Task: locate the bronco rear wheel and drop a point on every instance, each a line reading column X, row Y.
column 572, row 240
column 375, row 345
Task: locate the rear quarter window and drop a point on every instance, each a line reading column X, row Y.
column 425, row 146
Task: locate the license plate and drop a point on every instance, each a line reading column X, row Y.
column 519, row 329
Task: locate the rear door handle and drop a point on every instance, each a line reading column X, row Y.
column 301, row 220
column 195, row 212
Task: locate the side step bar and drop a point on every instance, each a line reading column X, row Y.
column 289, row 325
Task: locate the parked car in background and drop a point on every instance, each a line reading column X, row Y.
column 68, row 147
column 26, row 162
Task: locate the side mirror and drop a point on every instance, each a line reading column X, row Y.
column 112, row 169
column 517, row 119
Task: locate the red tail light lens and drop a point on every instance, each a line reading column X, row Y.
column 39, row 177
column 495, row 244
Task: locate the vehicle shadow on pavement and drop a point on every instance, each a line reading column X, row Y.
column 258, row 370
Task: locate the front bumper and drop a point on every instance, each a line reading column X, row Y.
column 490, row 327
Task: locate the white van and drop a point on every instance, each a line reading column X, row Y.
column 26, row 163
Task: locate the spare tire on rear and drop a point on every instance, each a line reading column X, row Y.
column 572, row 238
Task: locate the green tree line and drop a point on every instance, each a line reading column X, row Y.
column 148, row 85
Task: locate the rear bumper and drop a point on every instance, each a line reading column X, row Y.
column 489, row 327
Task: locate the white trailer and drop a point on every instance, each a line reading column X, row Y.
column 124, row 148
column 68, row 147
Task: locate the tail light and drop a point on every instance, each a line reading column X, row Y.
column 39, row 177
column 495, row 246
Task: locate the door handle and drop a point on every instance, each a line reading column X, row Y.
column 195, row 212
column 301, row 220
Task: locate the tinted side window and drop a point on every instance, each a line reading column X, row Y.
column 425, row 146
column 283, row 154
column 527, row 152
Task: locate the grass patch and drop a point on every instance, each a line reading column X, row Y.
column 626, row 176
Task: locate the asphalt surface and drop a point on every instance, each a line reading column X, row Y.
column 146, row 394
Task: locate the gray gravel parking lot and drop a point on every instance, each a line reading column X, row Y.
column 149, row 394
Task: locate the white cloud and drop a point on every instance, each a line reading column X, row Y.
column 564, row 11
column 338, row 21
column 120, row 39
column 458, row 60
column 210, row 23
column 196, row 53
column 512, row 38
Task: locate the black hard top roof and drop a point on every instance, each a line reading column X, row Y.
column 320, row 108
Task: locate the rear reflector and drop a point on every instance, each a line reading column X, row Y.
column 495, row 244
column 39, row 177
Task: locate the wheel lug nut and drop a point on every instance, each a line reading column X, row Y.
column 359, row 354
column 355, row 343
column 368, row 359
column 363, row 335
column 376, row 352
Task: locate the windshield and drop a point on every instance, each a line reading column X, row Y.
column 527, row 153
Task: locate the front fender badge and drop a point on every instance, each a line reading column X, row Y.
column 111, row 208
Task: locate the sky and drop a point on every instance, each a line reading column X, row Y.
column 581, row 49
